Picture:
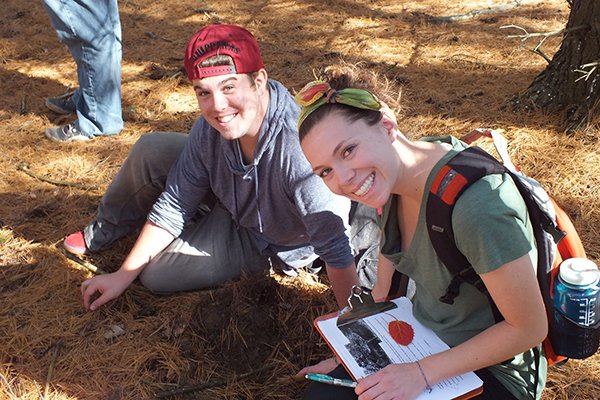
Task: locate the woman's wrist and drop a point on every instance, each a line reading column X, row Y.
column 427, row 385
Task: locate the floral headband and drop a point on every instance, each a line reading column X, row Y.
column 316, row 93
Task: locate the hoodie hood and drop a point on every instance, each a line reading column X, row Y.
column 278, row 110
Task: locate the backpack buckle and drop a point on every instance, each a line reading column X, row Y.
column 453, row 290
column 556, row 233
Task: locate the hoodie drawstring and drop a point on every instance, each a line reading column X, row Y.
column 235, row 200
column 260, row 223
column 255, row 169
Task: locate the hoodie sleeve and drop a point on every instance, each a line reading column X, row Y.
column 325, row 216
column 186, row 186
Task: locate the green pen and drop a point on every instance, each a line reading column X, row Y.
column 330, row 380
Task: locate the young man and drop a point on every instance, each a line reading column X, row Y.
column 226, row 199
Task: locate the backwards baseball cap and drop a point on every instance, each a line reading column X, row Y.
column 216, row 39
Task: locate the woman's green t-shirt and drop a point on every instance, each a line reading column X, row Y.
column 491, row 227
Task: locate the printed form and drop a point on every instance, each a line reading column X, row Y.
column 369, row 344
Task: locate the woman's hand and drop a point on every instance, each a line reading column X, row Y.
column 396, row 381
column 323, row 367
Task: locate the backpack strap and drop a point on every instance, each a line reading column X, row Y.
column 454, row 178
column 549, row 222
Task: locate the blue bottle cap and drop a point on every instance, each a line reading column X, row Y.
column 579, row 272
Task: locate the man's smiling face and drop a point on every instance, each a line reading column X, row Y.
column 231, row 103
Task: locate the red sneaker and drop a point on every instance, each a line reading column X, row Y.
column 75, row 244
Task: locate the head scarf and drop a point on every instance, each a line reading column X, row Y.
column 316, row 93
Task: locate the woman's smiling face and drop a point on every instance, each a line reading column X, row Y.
column 354, row 159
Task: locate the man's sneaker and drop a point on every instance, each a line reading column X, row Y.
column 313, row 269
column 289, row 271
column 75, row 244
column 62, row 104
column 366, row 266
column 66, row 133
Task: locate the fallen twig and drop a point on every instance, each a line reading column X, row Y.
column 55, row 351
column 23, row 108
column 586, row 74
column 206, row 385
column 177, row 74
column 469, row 15
column 23, row 166
column 544, row 35
column 86, row 264
column 474, row 13
column 153, row 35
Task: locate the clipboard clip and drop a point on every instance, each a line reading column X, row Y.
column 361, row 305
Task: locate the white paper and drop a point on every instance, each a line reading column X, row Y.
column 373, row 348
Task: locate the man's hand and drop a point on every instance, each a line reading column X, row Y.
column 151, row 241
column 105, row 288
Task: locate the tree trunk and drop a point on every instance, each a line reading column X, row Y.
column 560, row 87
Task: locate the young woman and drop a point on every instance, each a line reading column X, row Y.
column 352, row 141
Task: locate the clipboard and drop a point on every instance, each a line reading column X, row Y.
column 361, row 337
column 361, row 305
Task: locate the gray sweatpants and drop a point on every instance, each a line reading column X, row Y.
column 211, row 250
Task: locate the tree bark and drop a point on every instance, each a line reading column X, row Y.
column 560, row 88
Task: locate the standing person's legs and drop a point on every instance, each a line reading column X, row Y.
column 209, row 252
column 134, row 189
column 92, row 31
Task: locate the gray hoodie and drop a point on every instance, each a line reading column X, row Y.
column 290, row 211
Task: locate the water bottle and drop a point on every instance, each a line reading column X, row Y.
column 576, row 299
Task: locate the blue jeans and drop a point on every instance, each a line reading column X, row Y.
column 92, row 31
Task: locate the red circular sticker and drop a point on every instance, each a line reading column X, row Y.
column 401, row 332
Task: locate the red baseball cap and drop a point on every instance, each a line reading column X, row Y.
column 231, row 40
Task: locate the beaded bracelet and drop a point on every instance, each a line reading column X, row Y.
column 427, row 385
